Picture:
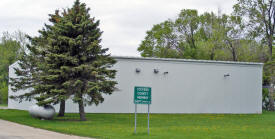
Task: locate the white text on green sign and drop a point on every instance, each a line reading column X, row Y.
column 142, row 95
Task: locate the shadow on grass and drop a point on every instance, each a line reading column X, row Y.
column 68, row 118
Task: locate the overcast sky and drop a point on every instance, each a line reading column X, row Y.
column 124, row 22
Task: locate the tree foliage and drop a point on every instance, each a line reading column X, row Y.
column 67, row 61
column 206, row 36
column 11, row 45
column 260, row 21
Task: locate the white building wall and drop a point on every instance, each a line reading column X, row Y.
column 189, row 87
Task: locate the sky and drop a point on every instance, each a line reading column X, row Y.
column 124, row 22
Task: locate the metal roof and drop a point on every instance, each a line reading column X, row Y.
column 186, row 60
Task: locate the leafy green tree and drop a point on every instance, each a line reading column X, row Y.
column 160, row 42
column 10, row 48
column 221, row 34
column 207, row 36
column 172, row 39
column 211, row 35
column 68, row 61
column 261, row 19
column 186, row 27
column 233, row 35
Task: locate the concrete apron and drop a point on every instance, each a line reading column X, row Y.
column 10, row 130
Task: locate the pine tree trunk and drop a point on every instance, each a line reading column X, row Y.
column 81, row 110
column 270, row 97
column 61, row 109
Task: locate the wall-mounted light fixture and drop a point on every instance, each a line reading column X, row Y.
column 137, row 70
column 226, row 75
column 156, row 71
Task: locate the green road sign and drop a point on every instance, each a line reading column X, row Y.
column 142, row 95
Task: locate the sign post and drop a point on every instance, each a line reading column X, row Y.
column 142, row 95
column 148, row 117
column 135, row 118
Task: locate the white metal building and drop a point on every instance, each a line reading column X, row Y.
column 179, row 86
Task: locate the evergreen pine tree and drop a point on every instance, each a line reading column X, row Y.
column 70, row 62
column 32, row 69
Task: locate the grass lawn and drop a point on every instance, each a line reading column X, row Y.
column 119, row 126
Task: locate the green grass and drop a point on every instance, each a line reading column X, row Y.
column 117, row 126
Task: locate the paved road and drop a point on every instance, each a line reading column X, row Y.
column 10, row 130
